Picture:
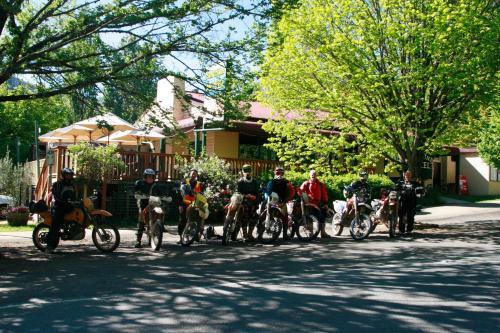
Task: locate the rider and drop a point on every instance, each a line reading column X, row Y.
column 317, row 194
column 408, row 199
column 146, row 186
column 358, row 186
column 189, row 187
column 249, row 187
column 285, row 191
column 63, row 192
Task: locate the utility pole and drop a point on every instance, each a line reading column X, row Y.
column 37, row 156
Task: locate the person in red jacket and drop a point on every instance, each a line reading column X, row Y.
column 317, row 194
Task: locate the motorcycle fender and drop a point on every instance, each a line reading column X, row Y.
column 101, row 212
column 47, row 218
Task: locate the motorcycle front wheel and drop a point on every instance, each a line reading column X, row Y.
column 269, row 232
column 392, row 225
column 189, row 233
column 40, row 236
column 337, row 226
column 106, row 237
column 156, row 235
column 309, row 229
column 227, row 232
column 360, row 227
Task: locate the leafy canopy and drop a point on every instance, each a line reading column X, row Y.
column 397, row 74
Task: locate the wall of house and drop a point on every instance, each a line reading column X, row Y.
column 477, row 173
column 223, row 144
column 494, row 188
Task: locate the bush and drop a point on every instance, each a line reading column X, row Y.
column 13, row 180
column 335, row 184
column 215, row 174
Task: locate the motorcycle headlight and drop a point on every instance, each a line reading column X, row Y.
column 155, row 201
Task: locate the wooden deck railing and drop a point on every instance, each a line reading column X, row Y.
column 167, row 166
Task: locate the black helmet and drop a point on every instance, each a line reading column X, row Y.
column 67, row 171
column 149, row 172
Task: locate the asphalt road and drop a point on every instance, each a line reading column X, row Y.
column 443, row 278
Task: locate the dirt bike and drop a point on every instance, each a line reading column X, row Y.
column 156, row 211
column 354, row 213
column 196, row 214
column 105, row 235
column 303, row 222
column 385, row 211
column 237, row 211
column 270, row 222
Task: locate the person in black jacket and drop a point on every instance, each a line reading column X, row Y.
column 249, row 187
column 63, row 192
column 144, row 187
column 408, row 202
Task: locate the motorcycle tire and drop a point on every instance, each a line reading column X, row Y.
column 270, row 234
column 226, row 232
column 337, row 226
column 359, row 230
column 107, row 233
column 309, row 230
column 392, row 225
column 190, row 232
column 39, row 236
column 156, row 232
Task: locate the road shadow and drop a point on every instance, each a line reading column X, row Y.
column 429, row 281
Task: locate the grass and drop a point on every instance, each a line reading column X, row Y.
column 474, row 198
column 4, row 227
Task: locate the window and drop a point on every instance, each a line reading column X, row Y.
column 494, row 174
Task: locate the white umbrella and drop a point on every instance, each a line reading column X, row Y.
column 70, row 133
column 136, row 135
column 108, row 118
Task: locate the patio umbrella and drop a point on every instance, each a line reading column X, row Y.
column 70, row 133
column 136, row 135
column 107, row 139
column 95, row 123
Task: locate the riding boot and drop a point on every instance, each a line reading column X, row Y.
column 140, row 231
column 285, row 229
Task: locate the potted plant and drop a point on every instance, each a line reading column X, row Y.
column 18, row 216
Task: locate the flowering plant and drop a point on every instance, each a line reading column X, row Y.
column 20, row 209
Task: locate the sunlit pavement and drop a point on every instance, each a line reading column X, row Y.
column 443, row 278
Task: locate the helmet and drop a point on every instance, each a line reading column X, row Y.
column 67, row 171
column 363, row 174
column 149, row 172
column 247, row 168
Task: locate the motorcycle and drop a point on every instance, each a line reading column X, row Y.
column 303, row 222
column 385, row 211
column 156, row 211
column 270, row 222
column 196, row 214
column 105, row 235
column 353, row 213
column 237, row 211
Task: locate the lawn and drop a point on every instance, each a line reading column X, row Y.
column 475, row 198
column 4, row 227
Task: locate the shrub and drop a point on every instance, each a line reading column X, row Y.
column 215, row 174
column 13, row 180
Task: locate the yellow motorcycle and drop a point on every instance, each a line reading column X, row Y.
column 105, row 236
column 196, row 213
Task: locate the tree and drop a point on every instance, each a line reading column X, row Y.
column 66, row 45
column 18, row 121
column 398, row 75
column 489, row 138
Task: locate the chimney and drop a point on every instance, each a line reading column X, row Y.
column 170, row 96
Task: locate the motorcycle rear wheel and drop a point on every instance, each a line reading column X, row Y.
column 337, row 226
column 105, row 237
column 39, row 236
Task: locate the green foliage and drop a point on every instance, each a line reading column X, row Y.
column 13, row 180
column 215, row 173
column 397, row 74
column 489, row 144
column 335, row 183
column 18, row 121
column 94, row 165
